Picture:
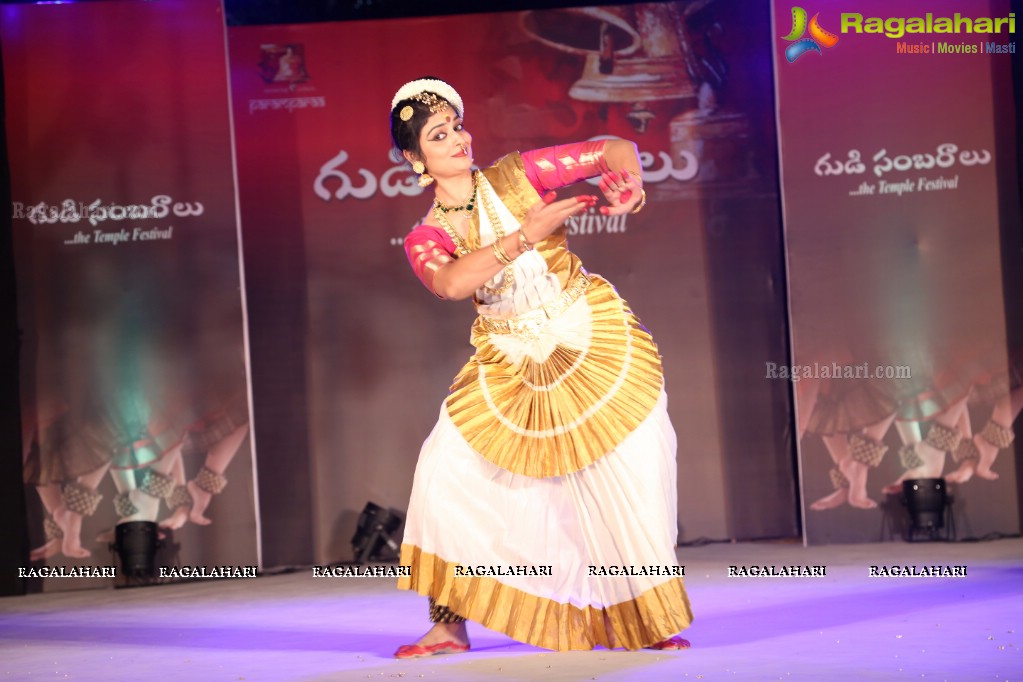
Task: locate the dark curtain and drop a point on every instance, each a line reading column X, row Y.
column 13, row 530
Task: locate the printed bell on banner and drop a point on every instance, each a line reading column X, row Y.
column 623, row 64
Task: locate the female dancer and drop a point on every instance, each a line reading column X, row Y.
column 551, row 471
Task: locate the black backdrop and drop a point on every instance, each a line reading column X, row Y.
column 13, row 529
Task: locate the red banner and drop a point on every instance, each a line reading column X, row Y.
column 134, row 370
column 892, row 228
column 368, row 353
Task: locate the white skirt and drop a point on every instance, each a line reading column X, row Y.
column 591, row 554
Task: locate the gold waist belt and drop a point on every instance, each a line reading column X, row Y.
column 529, row 323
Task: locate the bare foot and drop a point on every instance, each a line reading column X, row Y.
column 835, row 499
column 71, row 525
column 963, row 473
column 862, row 502
column 51, row 548
column 856, row 472
column 176, row 520
column 988, row 452
column 200, row 500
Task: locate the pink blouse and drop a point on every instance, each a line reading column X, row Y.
column 428, row 247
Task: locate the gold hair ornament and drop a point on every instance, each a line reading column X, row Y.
column 426, row 86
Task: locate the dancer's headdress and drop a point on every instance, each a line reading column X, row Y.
column 425, row 90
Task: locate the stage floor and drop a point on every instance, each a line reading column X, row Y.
column 297, row 628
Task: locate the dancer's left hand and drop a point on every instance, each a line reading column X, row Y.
column 622, row 191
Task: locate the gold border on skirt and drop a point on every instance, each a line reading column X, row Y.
column 652, row 616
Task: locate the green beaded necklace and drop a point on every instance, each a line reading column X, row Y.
column 466, row 206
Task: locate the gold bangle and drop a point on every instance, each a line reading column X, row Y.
column 500, row 253
column 525, row 243
column 642, row 202
column 504, row 252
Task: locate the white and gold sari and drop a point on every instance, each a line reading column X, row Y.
column 551, row 470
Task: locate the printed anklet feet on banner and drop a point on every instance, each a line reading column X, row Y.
column 156, row 484
column 202, row 488
column 79, row 501
column 837, row 498
column 967, row 456
column 998, row 435
column 143, row 502
column 944, row 438
column 866, row 451
column 993, row 437
column 123, row 506
column 179, row 497
column 909, row 457
column 913, row 464
column 180, row 503
column 965, row 451
column 864, row 454
column 53, row 534
column 838, row 479
column 52, row 529
column 210, row 481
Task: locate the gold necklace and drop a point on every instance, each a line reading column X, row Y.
column 508, row 278
column 441, row 215
column 460, row 244
column 466, row 206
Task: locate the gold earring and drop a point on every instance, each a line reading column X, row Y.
column 419, row 168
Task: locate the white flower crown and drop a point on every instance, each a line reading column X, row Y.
column 413, row 88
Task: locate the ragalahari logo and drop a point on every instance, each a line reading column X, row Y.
column 818, row 36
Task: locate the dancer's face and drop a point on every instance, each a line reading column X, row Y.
column 445, row 144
